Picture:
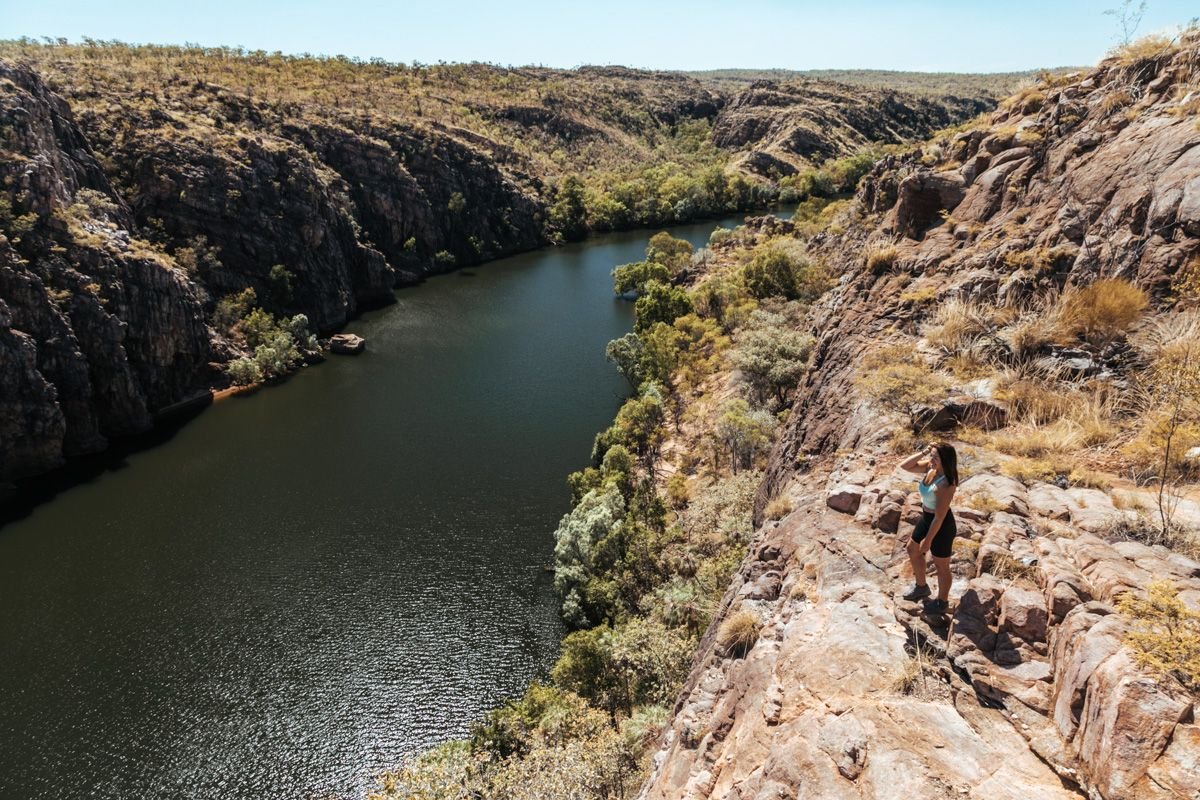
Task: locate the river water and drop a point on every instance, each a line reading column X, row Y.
column 304, row 585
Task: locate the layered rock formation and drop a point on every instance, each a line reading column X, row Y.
column 98, row 329
column 785, row 127
column 850, row 692
column 1028, row 689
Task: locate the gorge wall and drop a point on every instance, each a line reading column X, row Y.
column 1029, row 689
column 143, row 188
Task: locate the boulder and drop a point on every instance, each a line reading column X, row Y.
column 845, row 497
column 962, row 411
column 1092, row 510
column 923, row 196
column 347, row 344
column 1007, row 494
column 1023, row 612
column 1047, row 500
column 1126, row 722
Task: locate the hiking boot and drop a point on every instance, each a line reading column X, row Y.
column 916, row 592
column 935, row 607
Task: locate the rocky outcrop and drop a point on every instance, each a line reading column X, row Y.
column 1028, row 691
column 1029, row 688
column 1093, row 179
column 99, row 329
column 785, row 127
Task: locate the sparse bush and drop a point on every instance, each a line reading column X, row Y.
column 772, row 357
column 678, row 493
column 243, row 372
column 1166, row 633
column 738, row 633
column 896, row 378
column 744, row 433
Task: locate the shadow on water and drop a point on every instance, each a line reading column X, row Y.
column 19, row 498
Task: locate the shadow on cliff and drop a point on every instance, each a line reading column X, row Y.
column 19, row 498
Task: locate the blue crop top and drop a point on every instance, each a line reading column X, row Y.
column 928, row 496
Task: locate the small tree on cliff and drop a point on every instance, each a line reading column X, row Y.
column 772, row 357
column 897, row 379
column 744, row 433
column 672, row 253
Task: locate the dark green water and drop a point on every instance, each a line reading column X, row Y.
column 305, row 585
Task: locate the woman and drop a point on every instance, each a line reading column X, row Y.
column 935, row 532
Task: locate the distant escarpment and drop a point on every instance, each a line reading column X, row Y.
column 782, row 128
column 173, row 220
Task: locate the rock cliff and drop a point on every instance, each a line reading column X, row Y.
column 784, row 127
column 1028, row 689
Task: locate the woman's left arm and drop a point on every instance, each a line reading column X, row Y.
column 945, row 493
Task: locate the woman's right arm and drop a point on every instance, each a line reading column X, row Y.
column 915, row 463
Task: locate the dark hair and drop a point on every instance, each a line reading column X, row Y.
column 949, row 458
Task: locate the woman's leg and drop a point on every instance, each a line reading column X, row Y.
column 944, row 576
column 918, row 562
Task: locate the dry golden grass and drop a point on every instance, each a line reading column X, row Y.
column 738, row 633
column 1147, row 48
column 1090, row 479
column 778, row 508
column 920, row 295
column 880, row 259
column 1102, row 312
column 1007, row 568
column 1028, row 470
column 959, row 323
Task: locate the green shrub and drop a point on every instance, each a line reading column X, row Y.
column 660, row 303
column 781, row 268
column 598, row 513
column 231, row 309
column 633, row 278
column 244, row 371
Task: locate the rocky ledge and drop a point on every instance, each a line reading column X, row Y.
column 850, row 692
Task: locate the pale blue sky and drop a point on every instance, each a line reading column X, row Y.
column 699, row 34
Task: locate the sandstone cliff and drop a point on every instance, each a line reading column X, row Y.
column 784, row 127
column 1029, row 688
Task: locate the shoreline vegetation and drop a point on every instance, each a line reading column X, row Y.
column 660, row 519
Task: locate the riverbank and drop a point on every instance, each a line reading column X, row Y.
column 661, row 521
column 359, row 550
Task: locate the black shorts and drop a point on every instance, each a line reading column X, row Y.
column 944, row 540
